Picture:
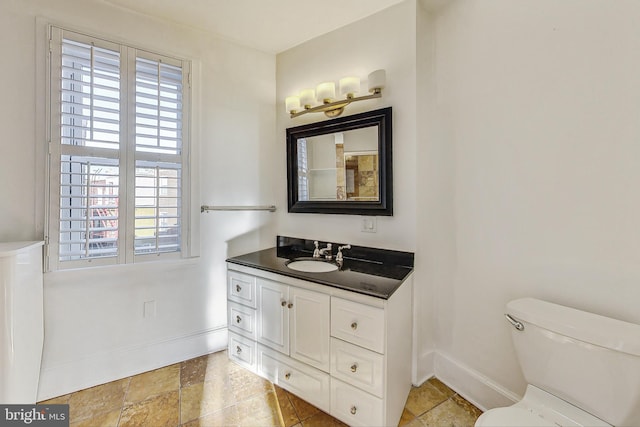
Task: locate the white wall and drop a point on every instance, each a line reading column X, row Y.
column 357, row 49
column 538, row 102
column 94, row 328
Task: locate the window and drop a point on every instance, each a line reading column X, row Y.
column 118, row 153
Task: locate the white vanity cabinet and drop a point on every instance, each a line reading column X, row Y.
column 241, row 310
column 347, row 353
column 295, row 322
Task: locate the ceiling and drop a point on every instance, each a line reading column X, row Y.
column 268, row 25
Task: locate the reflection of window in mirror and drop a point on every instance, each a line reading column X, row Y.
column 303, row 167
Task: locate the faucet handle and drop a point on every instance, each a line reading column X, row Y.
column 339, row 254
column 316, row 251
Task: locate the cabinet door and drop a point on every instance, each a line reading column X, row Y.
column 310, row 325
column 273, row 315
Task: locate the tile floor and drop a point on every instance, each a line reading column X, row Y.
column 212, row 391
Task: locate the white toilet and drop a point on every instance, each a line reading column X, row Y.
column 582, row 369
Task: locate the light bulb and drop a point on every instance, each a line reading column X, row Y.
column 349, row 86
column 326, row 92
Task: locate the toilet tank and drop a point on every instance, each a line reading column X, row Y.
column 588, row 360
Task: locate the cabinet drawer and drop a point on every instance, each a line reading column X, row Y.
column 357, row 323
column 355, row 407
column 242, row 350
column 302, row 380
column 241, row 288
column 358, row 366
column 242, row 320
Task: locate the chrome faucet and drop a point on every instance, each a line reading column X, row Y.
column 339, row 258
column 326, row 252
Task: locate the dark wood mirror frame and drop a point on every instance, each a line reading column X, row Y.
column 384, row 205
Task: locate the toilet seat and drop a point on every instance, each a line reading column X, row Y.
column 512, row 417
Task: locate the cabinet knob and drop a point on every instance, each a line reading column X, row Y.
column 287, row 375
column 238, row 319
column 354, row 367
column 283, row 303
column 354, row 410
column 238, row 288
column 238, row 349
column 290, row 305
column 354, row 325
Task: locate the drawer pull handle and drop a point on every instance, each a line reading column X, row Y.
column 354, row 410
column 354, row 367
column 238, row 288
column 238, row 349
column 287, row 375
column 354, row 325
column 283, row 303
column 290, row 305
column 238, row 319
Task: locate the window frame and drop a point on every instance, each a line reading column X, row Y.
column 126, row 154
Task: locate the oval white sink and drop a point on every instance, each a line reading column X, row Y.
column 309, row 266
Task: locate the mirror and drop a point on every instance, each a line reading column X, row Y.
column 341, row 166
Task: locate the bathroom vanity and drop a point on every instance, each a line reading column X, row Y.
column 341, row 340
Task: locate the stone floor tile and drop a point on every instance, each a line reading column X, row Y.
column 289, row 415
column 158, row 411
column 424, row 398
column 213, row 391
column 406, row 417
column 201, row 399
column 442, row 387
column 260, row 410
column 245, row 385
column 448, row 414
column 153, row 383
column 193, row 371
column 466, row 405
column 97, row 400
column 106, row 419
column 304, row 409
column 227, row 417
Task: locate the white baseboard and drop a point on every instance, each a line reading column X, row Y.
column 123, row 362
column 471, row 384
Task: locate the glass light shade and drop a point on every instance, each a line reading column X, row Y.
column 349, row 86
column 307, row 97
column 377, row 80
column 326, row 91
column 292, row 103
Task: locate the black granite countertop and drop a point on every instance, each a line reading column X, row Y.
column 368, row 271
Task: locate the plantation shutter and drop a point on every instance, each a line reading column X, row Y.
column 118, row 156
column 89, row 85
column 158, row 144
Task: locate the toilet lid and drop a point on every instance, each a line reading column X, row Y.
column 512, row 417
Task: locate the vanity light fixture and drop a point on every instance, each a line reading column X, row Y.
column 325, row 93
